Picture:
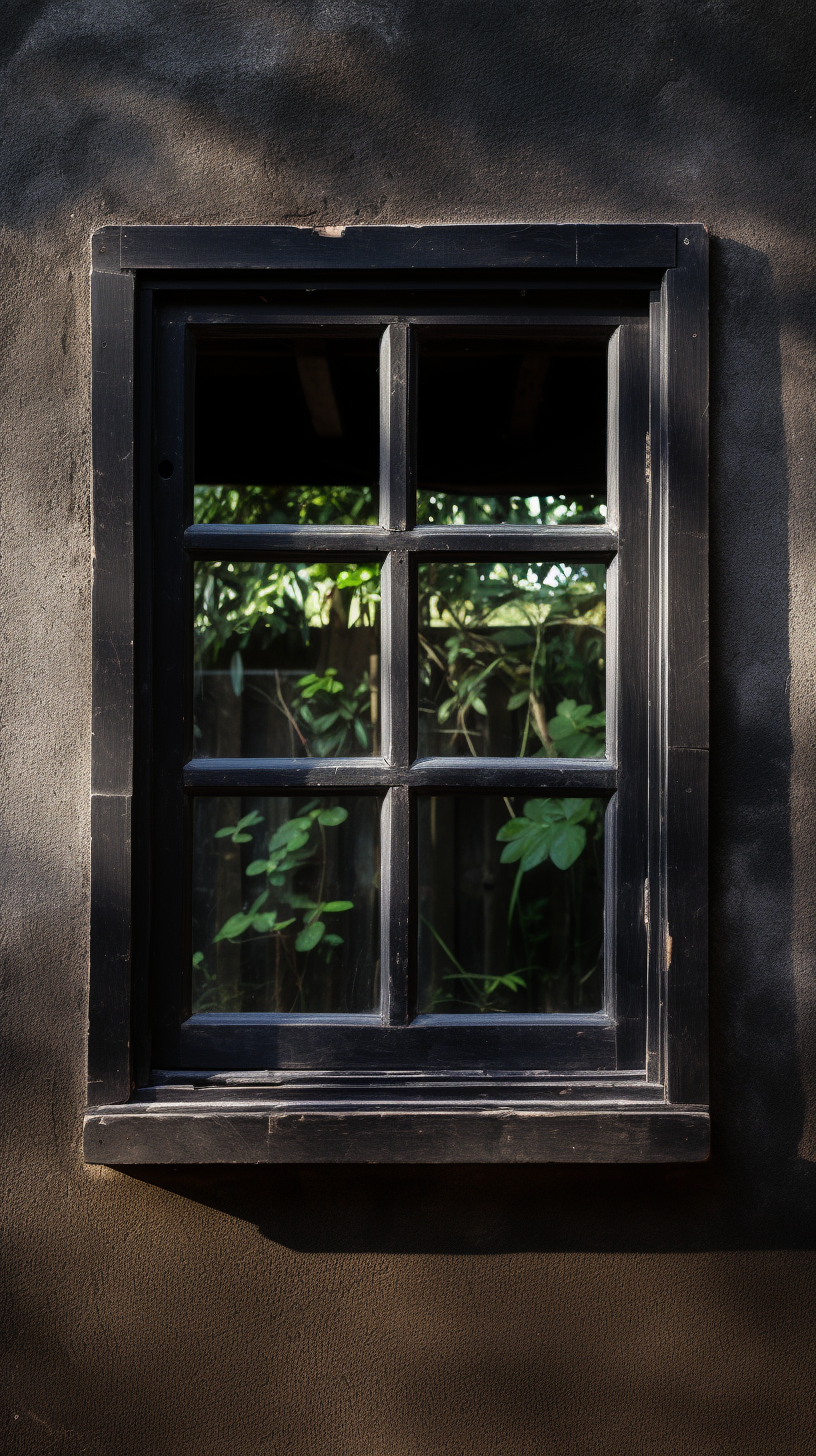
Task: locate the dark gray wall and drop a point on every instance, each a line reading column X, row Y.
column 450, row 1310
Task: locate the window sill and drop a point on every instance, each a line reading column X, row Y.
column 398, row 1129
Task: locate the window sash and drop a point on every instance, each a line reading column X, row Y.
column 611, row 1040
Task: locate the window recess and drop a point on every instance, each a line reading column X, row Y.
column 399, row 753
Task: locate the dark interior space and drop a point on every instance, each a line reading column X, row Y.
column 512, row 417
column 276, row 417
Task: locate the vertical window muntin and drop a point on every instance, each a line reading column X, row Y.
column 396, row 514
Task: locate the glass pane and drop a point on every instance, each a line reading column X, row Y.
column 510, row 904
column 511, row 430
column 287, row 659
column 286, row 904
column 511, row 659
column 287, row 431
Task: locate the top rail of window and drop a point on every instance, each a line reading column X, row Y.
column 529, row 247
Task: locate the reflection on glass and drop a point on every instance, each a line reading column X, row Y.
column 287, row 431
column 286, row 659
column 510, row 904
column 286, row 904
column 511, row 431
column 511, row 660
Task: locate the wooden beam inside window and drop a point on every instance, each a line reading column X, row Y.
column 316, row 382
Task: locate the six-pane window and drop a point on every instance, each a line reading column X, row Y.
column 394, row 771
column 400, row 694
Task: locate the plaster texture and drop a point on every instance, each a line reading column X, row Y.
column 389, row 1312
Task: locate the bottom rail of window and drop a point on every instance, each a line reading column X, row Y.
column 392, row 1131
column 433, row 1043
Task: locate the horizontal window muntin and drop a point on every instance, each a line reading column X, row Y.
column 513, row 543
column 373, row 775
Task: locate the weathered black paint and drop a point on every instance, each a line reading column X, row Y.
column 406, row 1310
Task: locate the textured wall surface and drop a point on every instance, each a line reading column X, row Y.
column 409, row 1312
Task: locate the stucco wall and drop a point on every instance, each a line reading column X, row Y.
column 395, row 1311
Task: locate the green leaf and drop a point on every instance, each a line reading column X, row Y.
column 571, row 746
column 540, row 811
column 333, row 940
column 513, row 981
column 235, row 926
column 301, row 902
column 323, row 747
column 322, row 724
column 566, row 707
column 332, row 817
column 512, row 829
column 576, row 809
column 513, row 851
column 242, row 838
column 263, row 923
column 257, row 867
column 360, row 733
column 249, row 819
column 335, row 906
column 292, row 826
column 537, row 848
column 310, row 935
column 513, row 637
column 237, row 674
column 517, row 700
column 479, row 706
column 222, row 833
column 198, row 958
column 567, row 843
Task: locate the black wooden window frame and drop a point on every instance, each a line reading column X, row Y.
column 626, row 1084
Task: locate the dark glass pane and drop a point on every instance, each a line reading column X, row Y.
column 510, row 904
column 511, row 659
column 286, row 659
column 287, row 431
column 511, row 431
column 286, row 904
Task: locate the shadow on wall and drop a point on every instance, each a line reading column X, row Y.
column 755, row 1191
column 347, row 110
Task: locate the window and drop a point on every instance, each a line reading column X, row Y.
column 399, row 767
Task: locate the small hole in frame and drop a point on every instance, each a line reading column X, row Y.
column 166, row 468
